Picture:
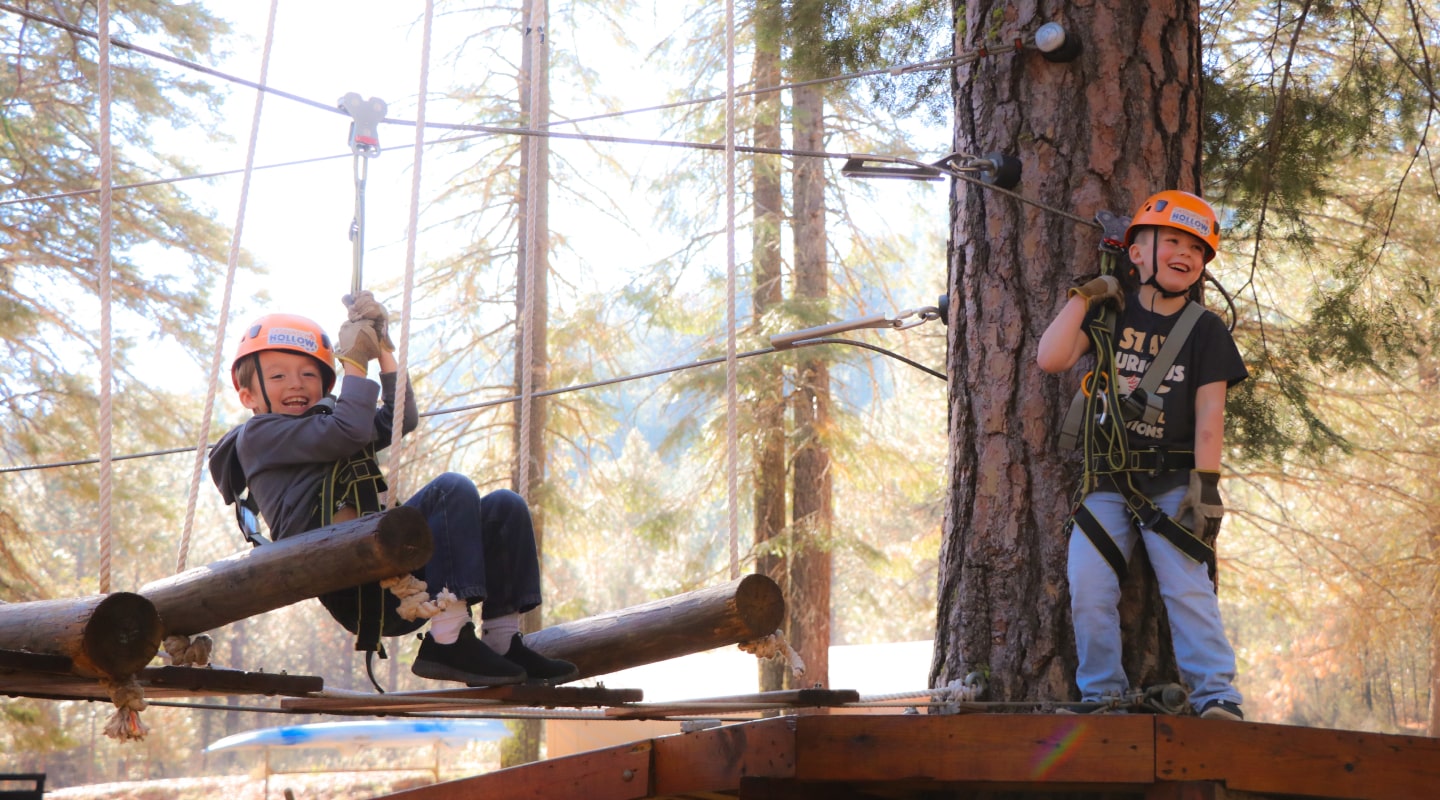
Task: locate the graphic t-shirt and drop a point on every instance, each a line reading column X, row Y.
column 1208, row 355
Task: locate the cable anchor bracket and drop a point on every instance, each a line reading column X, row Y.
column 903, row 320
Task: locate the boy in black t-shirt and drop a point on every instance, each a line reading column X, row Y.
column 1173, row 471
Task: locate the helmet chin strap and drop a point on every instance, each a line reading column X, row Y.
column 260, row 376
column 1155, row 269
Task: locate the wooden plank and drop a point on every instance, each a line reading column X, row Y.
column 1304, row 762
column 162, row 682
column 339, row 702
column 783, row 699
column 715, row 759
column 21, row 661
column 738, row 611
column 296, row 568
column 1112, row 751
column 616, row 773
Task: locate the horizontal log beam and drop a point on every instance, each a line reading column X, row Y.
column 738, row 611
column 104, row 636
column 296, row 568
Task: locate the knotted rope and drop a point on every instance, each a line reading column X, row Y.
column 125, row 724
column 186, row 652
column 415, row 602
column 775, row 646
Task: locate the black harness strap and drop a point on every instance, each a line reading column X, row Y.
column 1106, row 546
column 357, row 482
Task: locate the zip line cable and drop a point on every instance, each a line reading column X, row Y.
column 919, row 66
column 706, row 362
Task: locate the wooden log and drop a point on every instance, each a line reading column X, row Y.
column 104, row 636
column 739, row 611
column 296, row 568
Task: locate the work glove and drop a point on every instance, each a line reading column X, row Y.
column 357, row 343
column 1202, row 505
column 1099, row 290
column 364, row 306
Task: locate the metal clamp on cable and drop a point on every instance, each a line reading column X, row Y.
column 908, row 318
column 365, row 119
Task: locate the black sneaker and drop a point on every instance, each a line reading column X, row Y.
column 1222, row 709
column 468, row 661
column 542, row 671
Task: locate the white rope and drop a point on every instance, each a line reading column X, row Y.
column 125, row 724
column 217, row 356
column 402, row 381
column 732, row 403
column 775, row 646
column 415, row 602
column 102, row 268
column 186, row 652
column 532, row 257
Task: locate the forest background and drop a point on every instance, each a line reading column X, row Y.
column 1329, row 551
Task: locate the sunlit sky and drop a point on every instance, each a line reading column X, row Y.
column 298, row 218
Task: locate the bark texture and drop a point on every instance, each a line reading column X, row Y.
column 1102, row 132
column 811, row 507
column 767, row 294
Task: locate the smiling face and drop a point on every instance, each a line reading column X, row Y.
column 1178, row 256
column 293, row 383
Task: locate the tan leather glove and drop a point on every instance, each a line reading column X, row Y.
column 1202, row 508
column 1100, row 290
column 364, row 306
column 357, row 343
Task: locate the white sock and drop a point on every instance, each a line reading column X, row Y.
column 498, row 632
column 445, row 626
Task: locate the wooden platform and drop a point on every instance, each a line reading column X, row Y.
column 977, row 756
column 158, row 683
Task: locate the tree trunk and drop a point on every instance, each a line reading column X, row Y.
column 769, row 407
column 811, row 514
column 534, row 251
column 1102, row 132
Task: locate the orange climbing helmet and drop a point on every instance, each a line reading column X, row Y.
column 291, row 333
column 1182, row 211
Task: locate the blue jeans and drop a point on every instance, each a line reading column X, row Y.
column 1202, row 651
column 484, row 546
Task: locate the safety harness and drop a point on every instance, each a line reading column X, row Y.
column 1098, row 415
column 368, row 611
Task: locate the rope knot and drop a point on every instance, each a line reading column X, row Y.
column 415, row 602
column 125, row 724
column 961, row 690
column 774, row 646
column 186, row 652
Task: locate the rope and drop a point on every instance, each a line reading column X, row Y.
column 217, row 355
column 532, row 258
column 402, row 381
column 732, row 402
column 125, row 724
column 415, row 602
column 186, row 652
column 775, row 646
column 102, row 268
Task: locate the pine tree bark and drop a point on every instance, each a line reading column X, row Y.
column 808, row 599
column 524, row 746
column 1102, row 132
column 767, row 294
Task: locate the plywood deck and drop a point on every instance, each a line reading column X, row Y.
column 976, row 756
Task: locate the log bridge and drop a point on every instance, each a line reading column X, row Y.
column 66, row 648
